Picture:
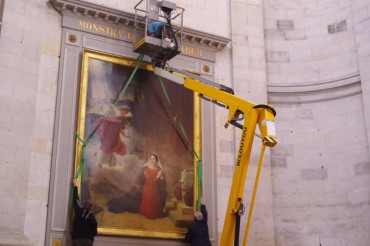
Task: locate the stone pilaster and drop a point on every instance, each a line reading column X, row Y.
column 249, row 82
column 361, row 22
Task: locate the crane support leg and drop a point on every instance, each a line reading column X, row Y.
column 240, row 173
column 254, row 195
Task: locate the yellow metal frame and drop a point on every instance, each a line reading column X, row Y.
column 254, row 115
column 138, row 44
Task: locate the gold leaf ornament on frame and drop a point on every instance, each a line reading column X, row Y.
column 72, row 38
column 57, row 242
column 206, row 68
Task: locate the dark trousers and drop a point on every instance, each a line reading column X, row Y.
column 82, row 242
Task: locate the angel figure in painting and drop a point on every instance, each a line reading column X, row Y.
column 108, row 122
column 148, row 195
column 110, row 129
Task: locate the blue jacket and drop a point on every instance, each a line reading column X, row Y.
column 155, row 27
column 197, row 234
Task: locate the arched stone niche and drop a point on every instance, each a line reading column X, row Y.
column 93, row 27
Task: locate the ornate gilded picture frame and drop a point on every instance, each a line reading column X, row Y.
column 136, row 164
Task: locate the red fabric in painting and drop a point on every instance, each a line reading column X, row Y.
column 109, row 133
column 153, row 195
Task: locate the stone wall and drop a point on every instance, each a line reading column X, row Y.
column 206, row 16
column 320, row 168
column 361, row 19
column 309, row 41
column 321, row 174
column 29, row 50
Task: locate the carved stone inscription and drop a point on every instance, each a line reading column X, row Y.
column 115, row 32
column 100, row 28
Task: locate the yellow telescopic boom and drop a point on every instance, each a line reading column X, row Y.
column 252, row 115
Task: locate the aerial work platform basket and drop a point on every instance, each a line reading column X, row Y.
column 154, row 34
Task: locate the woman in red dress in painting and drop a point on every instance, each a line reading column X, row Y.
column 147, row 195
column 153, row 197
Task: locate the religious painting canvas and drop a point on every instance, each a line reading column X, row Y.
column 135, row 150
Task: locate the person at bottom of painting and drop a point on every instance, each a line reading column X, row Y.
column 197, row 234
column 153, row 196
column 84, row 223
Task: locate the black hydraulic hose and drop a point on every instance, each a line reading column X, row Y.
column 237, row 221
column 237, row 229
column 268, row 107
column 173, row 49
column 172, row 33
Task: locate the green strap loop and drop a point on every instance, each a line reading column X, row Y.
column 200, row 183
column 79, row 170
column 189, row 146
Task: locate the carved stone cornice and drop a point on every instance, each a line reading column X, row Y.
column 78, row 7
column 314, row 92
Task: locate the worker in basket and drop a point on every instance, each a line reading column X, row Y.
column 160, row 30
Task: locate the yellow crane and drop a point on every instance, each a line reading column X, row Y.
column 241, row 113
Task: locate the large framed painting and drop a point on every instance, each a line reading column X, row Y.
column 133, row 159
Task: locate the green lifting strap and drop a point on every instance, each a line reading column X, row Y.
column 81, row 168
column 200, row 183
column 189, row 146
